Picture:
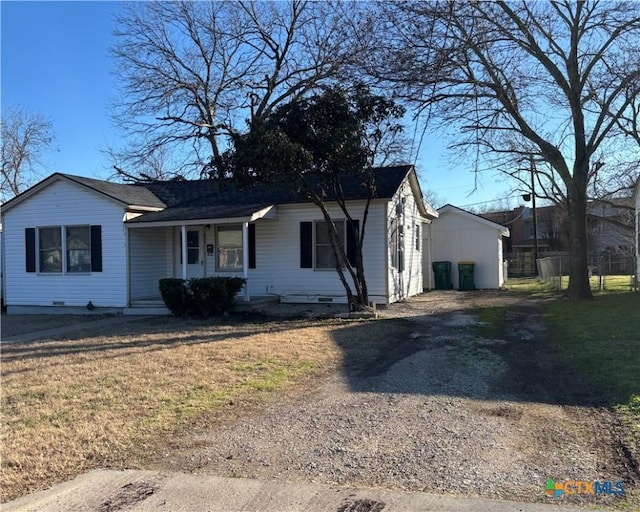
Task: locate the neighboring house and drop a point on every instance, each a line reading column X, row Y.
column 71, row 240
column 461, row 236
column 609, row 232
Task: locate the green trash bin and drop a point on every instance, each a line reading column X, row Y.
column 442, row 273
column 465, row 275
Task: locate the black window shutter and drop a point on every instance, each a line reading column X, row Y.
column 252, row 246
column 30, row 249
column 352, row 245
column 306, row 245
column 96, row 248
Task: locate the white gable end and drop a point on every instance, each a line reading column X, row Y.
column 63, row 203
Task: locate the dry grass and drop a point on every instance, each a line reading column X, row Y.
column 12, row 325
column 96, row 399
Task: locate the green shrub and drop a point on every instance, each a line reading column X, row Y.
column 200, row 296
column 176, row 296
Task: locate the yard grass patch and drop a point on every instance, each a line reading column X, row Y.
column 492, row 322
column 95, row 399
column 602, row 339
column 599, row 285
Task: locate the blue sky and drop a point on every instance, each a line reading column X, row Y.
column 55, row 61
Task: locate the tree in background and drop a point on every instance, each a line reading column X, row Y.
column 312, row 146
column 549, row 88
column 25, row 135
column 193, row 73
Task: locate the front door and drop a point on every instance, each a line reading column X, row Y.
column 195, row 253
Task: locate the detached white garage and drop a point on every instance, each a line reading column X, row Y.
column 461, row 236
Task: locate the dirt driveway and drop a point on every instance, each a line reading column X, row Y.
column 458, row 409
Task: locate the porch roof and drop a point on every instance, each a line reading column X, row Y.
column 179, row 215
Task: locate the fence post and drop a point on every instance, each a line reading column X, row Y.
column 560, row 272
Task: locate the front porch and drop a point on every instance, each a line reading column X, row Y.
column 223, row 247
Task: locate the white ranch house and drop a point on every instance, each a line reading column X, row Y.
column 70, row 241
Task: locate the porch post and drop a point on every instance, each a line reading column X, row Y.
column 245, row 259
column 183, row 248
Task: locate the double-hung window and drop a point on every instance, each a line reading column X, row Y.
column 63, row 249
column 50, row 249
column 78, row 249
column 229, row 244
column 325, row 258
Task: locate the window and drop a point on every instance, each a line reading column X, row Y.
column 63, row 249
column 393, row 243
column 50, row 248
column 229, row 244
column 78, row 249
column 396, row 245
column 193, row 247
column 417, row 237
column 325, row 258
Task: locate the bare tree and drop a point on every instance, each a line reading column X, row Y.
column 24, row 136
column 555, row 83
column 155, row 166
column 193, row 73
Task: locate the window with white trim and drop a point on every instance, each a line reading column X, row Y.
column 78, row 244
column 229, row 245
column 50, row 249
column 324, row 256
column 63, row 249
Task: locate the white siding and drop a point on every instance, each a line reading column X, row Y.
column 427, row 273
column 404, row 209
column 150, row 259
column 65, row 203
column 457, row 238
column 278, row 256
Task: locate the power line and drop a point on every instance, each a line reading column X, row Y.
column 491, row 201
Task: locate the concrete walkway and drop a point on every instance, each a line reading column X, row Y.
column 111, row 491
column 66, row 329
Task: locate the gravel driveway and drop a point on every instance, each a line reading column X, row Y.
column 460, row 414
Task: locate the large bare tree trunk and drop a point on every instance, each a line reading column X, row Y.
column 579, row 287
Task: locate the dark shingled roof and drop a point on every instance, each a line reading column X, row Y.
column 132, row 195
column 208, row 199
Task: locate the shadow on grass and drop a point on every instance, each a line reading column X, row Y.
column 166, row 332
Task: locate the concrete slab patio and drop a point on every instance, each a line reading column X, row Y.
column 110, row 491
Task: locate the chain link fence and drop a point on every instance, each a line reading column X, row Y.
column 606, row 271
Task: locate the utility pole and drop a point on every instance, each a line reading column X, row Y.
column 535, row 218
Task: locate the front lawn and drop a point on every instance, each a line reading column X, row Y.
column 110, row 398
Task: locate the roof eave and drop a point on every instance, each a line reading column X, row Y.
column 426, row 210
column 504, row 231
column 268, row 212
